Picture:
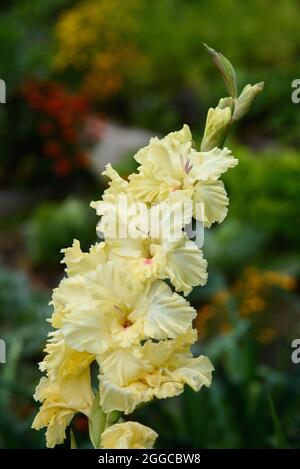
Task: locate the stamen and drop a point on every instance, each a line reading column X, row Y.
column 143, row 232
column 188, row 166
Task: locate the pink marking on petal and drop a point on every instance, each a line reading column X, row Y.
column 148, row 261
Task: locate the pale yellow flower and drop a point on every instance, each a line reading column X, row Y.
column 116, row 207
column 61, row 399
column 156, row 369
column 173, row 165
column 128, row 435
column 78, row 262
column 108, row 309
column 62, row 361
column 153, row 241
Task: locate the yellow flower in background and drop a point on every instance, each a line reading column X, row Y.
column 97, row 37
column 61, row 399
column 128, row 435
column 172, row 165
column 153, row 370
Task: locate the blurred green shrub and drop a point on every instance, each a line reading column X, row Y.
column 266, row 196
column 24, row 328
column 53, row 226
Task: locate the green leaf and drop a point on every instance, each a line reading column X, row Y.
column 112, row 417
column 281, row 441
column 245, row 100
column 226, row 69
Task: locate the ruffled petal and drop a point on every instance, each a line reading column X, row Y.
column 167, row 314
column 211, row 164
column 213, row 196
column 146, row 187
column 195, row 372
column 185, row 266
column 61, row 399
column 125, row 399
column 79, row 262
column 61, row 360
column 124, row 366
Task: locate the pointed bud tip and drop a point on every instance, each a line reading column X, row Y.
column 210, row 50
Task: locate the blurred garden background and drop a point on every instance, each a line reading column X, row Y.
column 88, row 82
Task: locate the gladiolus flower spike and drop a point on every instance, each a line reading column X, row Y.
column 122, row 304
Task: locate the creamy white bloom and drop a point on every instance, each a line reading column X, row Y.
column 172, row 164
column 155, row 369
column 153, row 241
column 61, row 360
column 61, row 399
column 112, row 310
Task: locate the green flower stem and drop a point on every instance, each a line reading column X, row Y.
column 73, row 442
column 99, row 421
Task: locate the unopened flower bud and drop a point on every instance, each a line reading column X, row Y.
column 245, row 100
column 217, row 123
column 226, row 69
column 226, row 102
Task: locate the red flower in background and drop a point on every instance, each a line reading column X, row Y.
column 62, row 167
column 65, row 125
column 45, row 128
column 53, row 149
column 82, row 160
column 81, row 423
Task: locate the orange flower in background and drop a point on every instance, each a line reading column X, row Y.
column 254, row 296
column 266, row 335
